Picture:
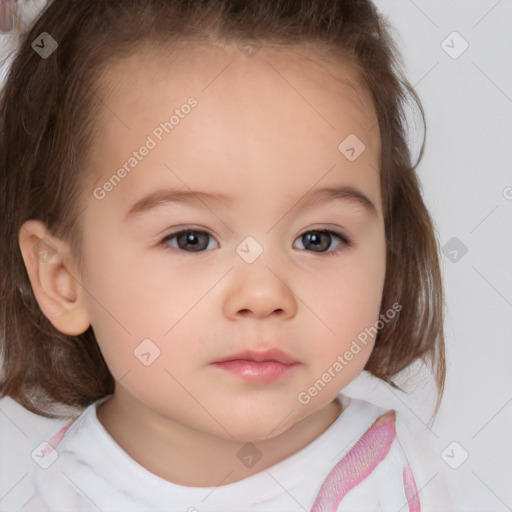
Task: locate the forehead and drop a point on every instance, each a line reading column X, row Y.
column 287, row 74
column 277, row 110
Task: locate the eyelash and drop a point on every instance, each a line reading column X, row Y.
column 345, row 241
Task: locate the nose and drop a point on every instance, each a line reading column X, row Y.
column 258, row 290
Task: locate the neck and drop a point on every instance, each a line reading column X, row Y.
column 189, row 457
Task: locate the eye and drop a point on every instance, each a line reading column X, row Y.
column 188, row 240
column 321, row 240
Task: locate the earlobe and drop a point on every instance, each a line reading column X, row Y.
column 54, row 278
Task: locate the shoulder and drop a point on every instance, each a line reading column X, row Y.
column 388, row 464
column 416, row 440
column 58, row 460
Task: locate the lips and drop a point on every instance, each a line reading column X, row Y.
column 259, row 357
column 258, row 367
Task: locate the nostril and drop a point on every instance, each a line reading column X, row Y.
column 245, row 312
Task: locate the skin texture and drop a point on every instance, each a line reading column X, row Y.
column 265, row 132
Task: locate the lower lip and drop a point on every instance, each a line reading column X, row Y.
column 264, row 371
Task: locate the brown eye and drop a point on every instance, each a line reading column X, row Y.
column 188, row 240
column 321, row 241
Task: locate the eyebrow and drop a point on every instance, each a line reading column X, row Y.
column 343, row 192
column 162, row 197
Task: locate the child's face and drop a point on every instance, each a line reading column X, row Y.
column 264, row 135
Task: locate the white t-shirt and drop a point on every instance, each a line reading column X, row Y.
column 368, row 460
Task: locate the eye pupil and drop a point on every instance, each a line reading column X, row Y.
column 190, row 238
column 315, row 238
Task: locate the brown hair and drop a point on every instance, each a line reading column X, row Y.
column 48, row 106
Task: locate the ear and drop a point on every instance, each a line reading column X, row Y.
column 54, row 278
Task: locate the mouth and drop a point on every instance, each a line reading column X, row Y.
column 264, row 367
column 276, row 356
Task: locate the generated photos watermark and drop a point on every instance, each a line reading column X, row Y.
column 304, row 397
column 152, row 141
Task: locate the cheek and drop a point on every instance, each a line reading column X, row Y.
column 132, row 298
column 348, row 303
column 350, row 300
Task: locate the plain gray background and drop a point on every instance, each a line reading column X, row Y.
column 467, row 181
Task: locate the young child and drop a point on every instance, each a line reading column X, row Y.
column 211, row 226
